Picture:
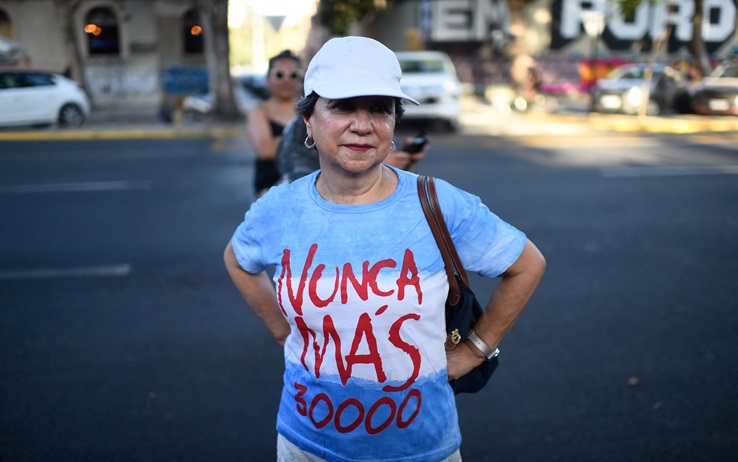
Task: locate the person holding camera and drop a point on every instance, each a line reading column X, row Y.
column 361, row 287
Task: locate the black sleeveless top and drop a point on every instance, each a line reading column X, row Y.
column 266, row 174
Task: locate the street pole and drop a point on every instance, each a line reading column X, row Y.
column 593, row 87
column 594, row 25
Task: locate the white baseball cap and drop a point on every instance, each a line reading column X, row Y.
column 348, row 67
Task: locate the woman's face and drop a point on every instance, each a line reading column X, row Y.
column 353, row 134
column 285, row 79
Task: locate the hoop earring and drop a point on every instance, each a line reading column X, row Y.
column 308, row 144
column 393, row 146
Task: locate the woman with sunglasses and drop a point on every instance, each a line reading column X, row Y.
column 265, row 122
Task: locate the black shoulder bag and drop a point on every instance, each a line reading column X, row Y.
column 462, row 308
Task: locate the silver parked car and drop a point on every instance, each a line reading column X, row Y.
column 622, row 91
column 29, row 97
column 717, row 93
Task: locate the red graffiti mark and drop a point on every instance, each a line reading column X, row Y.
column 374, row 273
column 409, row 266
column 353, row 425
column 345, row 278
column 296, row 300
column 362, row 289
column 396, row 340
column 324, row 398
column 329, row 331
column 404, row 424
column 380, row 402
column 395, row 414
column 364, row 329
column 313, row 287
column 381, row 310
column 364, row 333
column 301, row 404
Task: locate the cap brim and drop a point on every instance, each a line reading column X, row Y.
column 354, row 90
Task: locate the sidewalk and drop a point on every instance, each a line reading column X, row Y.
column 478, row 118
column 127, row 124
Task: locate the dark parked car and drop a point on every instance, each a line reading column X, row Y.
column 622, row 90
column 29, row 97
column 717, row 93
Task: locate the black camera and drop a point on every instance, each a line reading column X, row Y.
column 417, row 144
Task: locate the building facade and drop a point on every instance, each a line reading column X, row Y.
column 570, row 40
column 127, row 48
column 137, row 53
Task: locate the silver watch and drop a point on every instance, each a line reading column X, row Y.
column 482, row 346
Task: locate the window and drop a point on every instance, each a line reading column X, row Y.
column 428, row 66
column 102, row 32
column 13, row 80
column 192, row 33
column 8, row 81
column 6, row 29
column 36, row 80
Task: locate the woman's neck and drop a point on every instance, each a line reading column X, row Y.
column 375, row 186
column 280, row 110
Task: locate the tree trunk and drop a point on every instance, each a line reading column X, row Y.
column 66, row 10
column 217, row 49
column 698, row 44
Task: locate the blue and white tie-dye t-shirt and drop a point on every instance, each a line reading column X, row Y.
column 364, row 288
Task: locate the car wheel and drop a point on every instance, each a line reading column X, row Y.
column 453, row 126
column 70, row 115
column 653, row 108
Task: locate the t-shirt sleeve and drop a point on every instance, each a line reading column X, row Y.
column 246, row 245
column 486, row 244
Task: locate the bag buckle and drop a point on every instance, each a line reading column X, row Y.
column 453, row 339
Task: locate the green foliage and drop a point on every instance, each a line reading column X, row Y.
column 628, row 7
column 338, row 15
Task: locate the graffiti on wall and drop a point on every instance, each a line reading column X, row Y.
column 478, row 21
column 648, row 23
column 464, row 20
column 122, row 81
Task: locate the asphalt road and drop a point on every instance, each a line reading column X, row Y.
column 123, row 339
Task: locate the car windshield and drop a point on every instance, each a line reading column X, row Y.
column 422, row 66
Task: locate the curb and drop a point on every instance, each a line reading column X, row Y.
column 683, row 124
column 477, row 120
column 124, row 133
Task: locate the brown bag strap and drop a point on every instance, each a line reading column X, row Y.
column 432, row 210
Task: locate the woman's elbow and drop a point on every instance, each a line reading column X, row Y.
column 531, row 262
column 229, row 256
column 537, row 262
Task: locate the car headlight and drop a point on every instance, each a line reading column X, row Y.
column 634, row 96
column 450, row 86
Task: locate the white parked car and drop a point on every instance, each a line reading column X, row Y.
column 29, row 97
column 430, row 77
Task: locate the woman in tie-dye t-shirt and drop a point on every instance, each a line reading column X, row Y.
column 359, row 286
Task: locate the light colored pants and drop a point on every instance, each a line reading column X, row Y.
column 288, row 452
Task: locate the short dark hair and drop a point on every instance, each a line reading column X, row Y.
column 286, row 54
column 306, row 106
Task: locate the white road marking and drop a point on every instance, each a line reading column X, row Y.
column 656, row 171
column 123, row 269
column 76, row 187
